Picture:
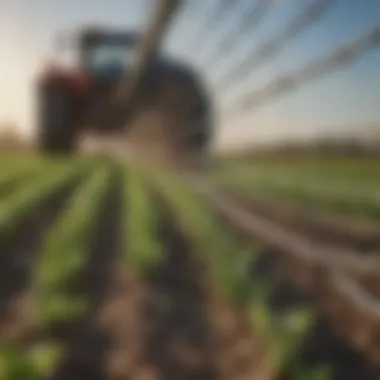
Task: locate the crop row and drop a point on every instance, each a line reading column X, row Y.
column 354, row 199
column 62, row 257
column 64, row 252
column 65, row 246
column 337, row 170
column 229, row 262
column 323, row 180
column 141, row 243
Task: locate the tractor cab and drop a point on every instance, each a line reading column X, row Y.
column 106, row 54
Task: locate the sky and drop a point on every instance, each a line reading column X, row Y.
column 339, row 102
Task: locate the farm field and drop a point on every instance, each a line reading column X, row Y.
column 111, row 271
column 350, row 186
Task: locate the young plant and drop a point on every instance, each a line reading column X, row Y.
column 142, row 245
column 25, row 201
column 64, row 251
column 36, row 363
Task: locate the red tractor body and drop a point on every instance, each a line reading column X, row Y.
column 78, row 81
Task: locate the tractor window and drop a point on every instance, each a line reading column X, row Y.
column 111, row 56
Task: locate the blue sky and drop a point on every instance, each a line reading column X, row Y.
column 340, row 100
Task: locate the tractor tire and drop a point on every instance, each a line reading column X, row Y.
column 56, row 126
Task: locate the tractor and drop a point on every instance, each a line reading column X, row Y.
column 170, row 114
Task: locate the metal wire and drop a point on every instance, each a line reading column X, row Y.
column 285, row 83
column 246, row 25
column 216, row 15
column 273, row 46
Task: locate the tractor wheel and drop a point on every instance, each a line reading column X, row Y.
column 56, row 127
